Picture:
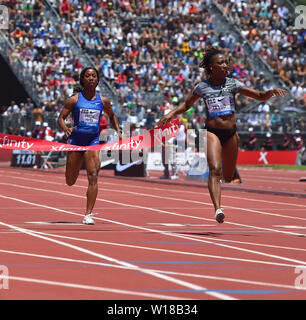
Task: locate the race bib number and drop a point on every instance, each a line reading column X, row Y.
column 218, row 106
column 89, row 116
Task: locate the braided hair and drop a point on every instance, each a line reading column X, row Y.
column 210, row 52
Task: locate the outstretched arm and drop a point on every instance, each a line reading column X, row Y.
column 183, row 107
column 262, row 95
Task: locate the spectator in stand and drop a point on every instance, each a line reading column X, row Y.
column 29, row 106
column 38, row 132
column 103, row 123
column 298, row 145
column 286, row 142
column 253, row 120
column 21, row 131
column 272, row 36
column 37, row 113
column 264, row 116
column 251, row 144
column 60, row 136
column 269, row 143
column 48, row 133
column 276, row 121
column 157, row 39
column 263, row 107
column 296, row 139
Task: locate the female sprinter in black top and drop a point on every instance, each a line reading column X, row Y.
column 86, row 108
column 218, row 92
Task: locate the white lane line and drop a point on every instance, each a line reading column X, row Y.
column 156, row 210
column 120, row 184
column 180, row 199
column 94, row 288
column 166, row 233
column 211, row 241
column 202, row 193
column 205, row 203
column 281, row 180
column 170, row 251
column 260, row 283
column 134, row 267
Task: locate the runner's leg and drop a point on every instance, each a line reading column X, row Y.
column 92, row 163
column 73, row 166
column 229, row 157
column 214, row 150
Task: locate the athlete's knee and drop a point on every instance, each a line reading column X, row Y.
column 93, row 176
column 70, row 178
column 215, row 171
column 70, row 181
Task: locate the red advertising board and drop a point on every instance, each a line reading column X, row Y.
column 267, row 157
column 5, row 155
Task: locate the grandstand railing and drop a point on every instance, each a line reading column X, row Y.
column 277, row 123
column 272, row 122
column 15, row 121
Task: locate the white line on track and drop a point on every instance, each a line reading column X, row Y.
column 281, row 180
column 160, row 271
column 153, row 230
column 121, row 184
column 94, row 288
column 164, row 211
column 168, row 250
column 238, row 280
column 205, row 203
column 203, row 193
column 132, row 266
column 273, row 179
column 176, row 199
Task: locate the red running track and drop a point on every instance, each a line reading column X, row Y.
column 150, row 241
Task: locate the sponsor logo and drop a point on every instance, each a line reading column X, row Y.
column 106, row 162
column 263, row 157
column 120, row 167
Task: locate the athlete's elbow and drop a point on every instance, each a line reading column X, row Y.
column 264, row 95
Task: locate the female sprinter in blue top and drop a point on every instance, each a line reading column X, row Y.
column 218, row 93
column 86, row 108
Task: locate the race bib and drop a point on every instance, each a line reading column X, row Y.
column 218, row 106
column 89, row 116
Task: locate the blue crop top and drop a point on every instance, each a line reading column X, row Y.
column 86, row 115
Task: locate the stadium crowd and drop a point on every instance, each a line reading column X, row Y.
column 153, row 48
column 270, row 29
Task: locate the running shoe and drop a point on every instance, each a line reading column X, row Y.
column 219, row 216
column 237, row 181
column 88, row 219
